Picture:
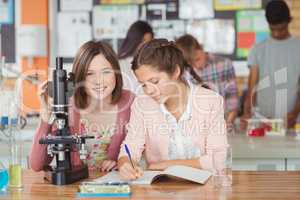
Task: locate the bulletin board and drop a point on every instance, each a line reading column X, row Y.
column 7, row 31
column 100, row 20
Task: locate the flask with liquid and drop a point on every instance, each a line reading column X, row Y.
column 3, row 177
column 15, row 146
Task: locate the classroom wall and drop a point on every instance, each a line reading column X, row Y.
column 34, row 12
column 40, row 17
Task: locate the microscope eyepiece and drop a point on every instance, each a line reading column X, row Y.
column 59, row 63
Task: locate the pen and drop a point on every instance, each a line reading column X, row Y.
column 129, row 155
column 89, row 183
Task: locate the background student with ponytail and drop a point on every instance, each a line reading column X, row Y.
column 215, row 71
column 174, row 122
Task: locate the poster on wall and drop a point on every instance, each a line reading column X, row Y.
column 122, row 1
column 107, row 23
column 74, row 29
column 76, row 5
column 156, row 10
column 195, row 9
column 32, row 40
column 252, row 28
column 8, row 42
column 216, row 35
column 170, row 29
column 6, row 12
column 222, row 5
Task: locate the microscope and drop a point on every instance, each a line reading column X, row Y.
column 62, row 143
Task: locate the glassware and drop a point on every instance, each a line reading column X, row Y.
column 15, row 146
column 3, row 177
column 222, row 167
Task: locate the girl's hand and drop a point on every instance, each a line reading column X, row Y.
column 45, row 110
column 290, row 120
column 108, row 165
column 127, row 172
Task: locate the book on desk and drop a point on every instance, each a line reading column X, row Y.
column 177, row 171
column 111, row 185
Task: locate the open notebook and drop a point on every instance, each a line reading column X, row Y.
column 178, row 171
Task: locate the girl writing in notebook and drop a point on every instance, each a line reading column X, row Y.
column 99, row 107
column 174, row 122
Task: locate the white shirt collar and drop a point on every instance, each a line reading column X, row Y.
column 187, row 114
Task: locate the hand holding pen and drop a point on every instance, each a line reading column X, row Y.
column 127, row 168
column 129, row 155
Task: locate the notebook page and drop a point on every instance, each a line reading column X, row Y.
column 115, row 177
column 188, row 173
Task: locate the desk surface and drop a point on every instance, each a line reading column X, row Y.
column 265, row 147
column 246, row 185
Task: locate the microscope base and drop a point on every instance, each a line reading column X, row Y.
column 65, row 177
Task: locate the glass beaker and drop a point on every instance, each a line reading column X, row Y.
column 222, row 167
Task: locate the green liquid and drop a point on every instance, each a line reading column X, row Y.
column 15, row 175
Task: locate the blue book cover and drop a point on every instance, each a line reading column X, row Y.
column 93, row 195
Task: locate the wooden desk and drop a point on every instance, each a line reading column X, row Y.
column 247, row 185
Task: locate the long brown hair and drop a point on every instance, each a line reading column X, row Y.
column 82, row 60
column 134, row 38
column 164, row 56
column 188, row 45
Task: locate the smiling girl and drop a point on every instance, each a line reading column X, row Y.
column 99, row 107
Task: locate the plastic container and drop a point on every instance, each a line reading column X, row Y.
column 255, row 128
column 261, row 127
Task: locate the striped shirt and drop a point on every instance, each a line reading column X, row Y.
column 219, row 75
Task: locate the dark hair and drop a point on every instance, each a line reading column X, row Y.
column 278, row 12
column 164, row 56
column 82, row 60
column 134, row 38
column 188, row 44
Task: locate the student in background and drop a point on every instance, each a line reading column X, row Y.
column 99, row 107
column 175, row 122
column 274, row 70
column 215, row 71
column 138, row 33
